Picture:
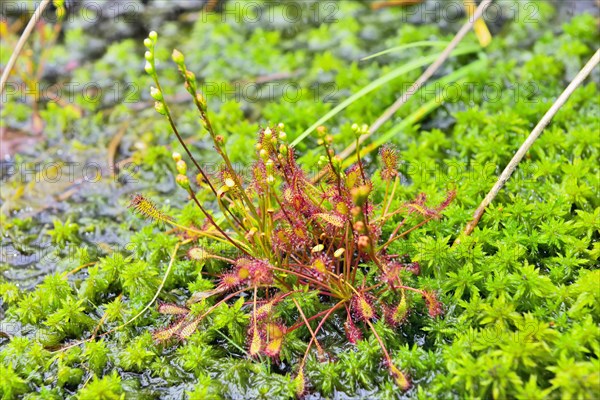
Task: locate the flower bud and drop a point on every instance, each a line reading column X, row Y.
column 268, row 133
column 269, row 166
column 190, row 76
column 282, row 135
column 337, row 162
column 176, row 156
column 148, row 43
column 183, row 181
column 264, row 154
column 364, row 244
column 177, row 57
column 359, row 226
column 160, row 108
column 148, row 56
column 149, row 68
column 153, row 36
column 201, row 101
column 181, row 167
column 156, row 93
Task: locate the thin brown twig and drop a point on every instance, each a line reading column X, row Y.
column 21, row 43
column 535, row 133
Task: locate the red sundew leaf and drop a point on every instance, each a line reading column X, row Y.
column 331, row 219
column 264, row 311
column 260, row 272
column 188, row 329
column 259, row 177
column 433, row 304
column 353, row 176
column 299, row 384
column 420, row 199
column 172, row 309
column 281, row 239
column 275, row 331
column 399, row 377
column 449, row 198
column 413, row 267
column 353, row 333
column 421, row 209
column 389, row 158
column 229, row 281
column 167, row 333
column 362, row 306
column 342, row 207
column 145, row 207
column 397, row 315
column 273, row 348
column 255, row 344
column 321, row 264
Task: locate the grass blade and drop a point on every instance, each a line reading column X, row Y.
column 422, row 43
column 410, row 66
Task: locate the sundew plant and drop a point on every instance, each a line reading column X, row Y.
column 295, row 237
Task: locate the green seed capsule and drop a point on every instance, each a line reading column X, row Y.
column 183, row 181
column 177, row 57
column 156, row 94
column 181, row 167
column 160, row 108
column 149, row 68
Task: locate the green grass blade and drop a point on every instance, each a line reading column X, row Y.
column 422, row 43
column 410, row 66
